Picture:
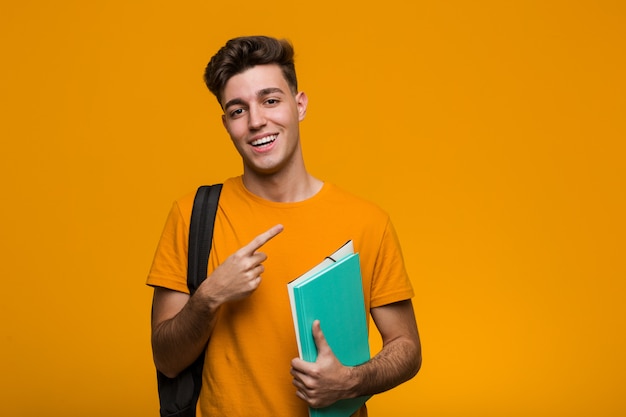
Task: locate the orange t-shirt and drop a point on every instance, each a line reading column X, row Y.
column 248, row 358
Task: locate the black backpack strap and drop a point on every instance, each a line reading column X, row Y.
column 201, row 234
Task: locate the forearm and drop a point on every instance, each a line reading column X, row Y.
column 401, row 356
column 178, row 341
column 397, row 362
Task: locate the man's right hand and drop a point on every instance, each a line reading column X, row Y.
column 240, row 274
column 182, row 325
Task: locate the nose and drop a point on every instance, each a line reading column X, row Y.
column 256, row 118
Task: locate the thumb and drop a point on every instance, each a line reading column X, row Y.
column 320, row 339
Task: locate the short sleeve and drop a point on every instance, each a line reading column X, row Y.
column 390, row 282
column 169, row 266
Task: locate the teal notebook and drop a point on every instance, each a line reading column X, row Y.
column 332, row 293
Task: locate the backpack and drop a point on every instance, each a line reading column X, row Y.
column 178, row 396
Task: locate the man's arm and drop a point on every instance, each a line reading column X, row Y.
column 182, row 325
column 327, row 380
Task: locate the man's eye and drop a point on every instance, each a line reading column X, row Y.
column 271, row 101
column 236, row 112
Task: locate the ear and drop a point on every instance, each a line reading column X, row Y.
column 224, row 122
column 302, row 102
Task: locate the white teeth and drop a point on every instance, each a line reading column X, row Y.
column 265, row 140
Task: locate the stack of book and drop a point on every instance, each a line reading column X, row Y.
column 332, row 292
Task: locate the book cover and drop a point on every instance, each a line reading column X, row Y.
column 332, row 292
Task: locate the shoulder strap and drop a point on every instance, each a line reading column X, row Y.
column 201, row 233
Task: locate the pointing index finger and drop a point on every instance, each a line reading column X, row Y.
column 263, row 238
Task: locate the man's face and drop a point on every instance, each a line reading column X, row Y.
column 262, row 115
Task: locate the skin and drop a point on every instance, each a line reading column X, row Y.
column 262, row 116
column 259, row 103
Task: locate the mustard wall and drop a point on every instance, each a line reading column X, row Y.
column 492, row 131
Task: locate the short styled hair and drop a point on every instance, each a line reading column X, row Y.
column 243, row 53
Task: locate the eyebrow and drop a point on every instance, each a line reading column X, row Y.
column 261, row 93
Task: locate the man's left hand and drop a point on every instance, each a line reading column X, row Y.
column 325, row 381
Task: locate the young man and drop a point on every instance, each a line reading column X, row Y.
column 274, row 222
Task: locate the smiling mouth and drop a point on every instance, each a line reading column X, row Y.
column 264, row 141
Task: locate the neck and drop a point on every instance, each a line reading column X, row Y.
column 282, row 188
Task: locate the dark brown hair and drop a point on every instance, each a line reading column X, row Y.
column 240, row 54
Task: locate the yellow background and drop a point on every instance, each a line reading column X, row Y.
column 492, row 131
